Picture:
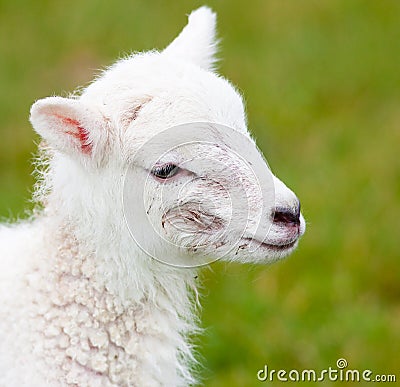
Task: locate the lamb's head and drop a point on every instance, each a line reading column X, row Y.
column 195, row 186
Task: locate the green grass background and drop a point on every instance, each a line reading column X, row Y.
column 322, row 83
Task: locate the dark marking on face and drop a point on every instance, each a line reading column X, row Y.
column 132, row 113
column 219, row 244
column 241, row 247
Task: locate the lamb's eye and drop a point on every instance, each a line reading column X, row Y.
column 165, row 171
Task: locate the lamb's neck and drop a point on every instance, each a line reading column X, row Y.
column 104, row 334
column 96, row 220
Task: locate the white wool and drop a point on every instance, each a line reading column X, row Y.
column 82, row 304
column 71, row 329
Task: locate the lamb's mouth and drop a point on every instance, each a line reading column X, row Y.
column 272, row 246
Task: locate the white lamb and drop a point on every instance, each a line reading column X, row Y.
column 82, row 303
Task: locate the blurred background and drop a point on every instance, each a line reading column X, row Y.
column 322, row 83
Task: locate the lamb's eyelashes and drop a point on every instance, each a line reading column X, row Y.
column 169, row 172
column 165, row 171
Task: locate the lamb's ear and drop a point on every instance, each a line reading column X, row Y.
column 197, row 41
column 70, row 126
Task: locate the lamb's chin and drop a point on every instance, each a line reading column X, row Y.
column 280, row 251
column 254, row 251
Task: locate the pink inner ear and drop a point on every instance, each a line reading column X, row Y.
column 82, row 134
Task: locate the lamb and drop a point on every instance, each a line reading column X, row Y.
column 147, row 174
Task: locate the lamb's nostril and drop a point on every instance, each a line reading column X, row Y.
column 287, row 216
